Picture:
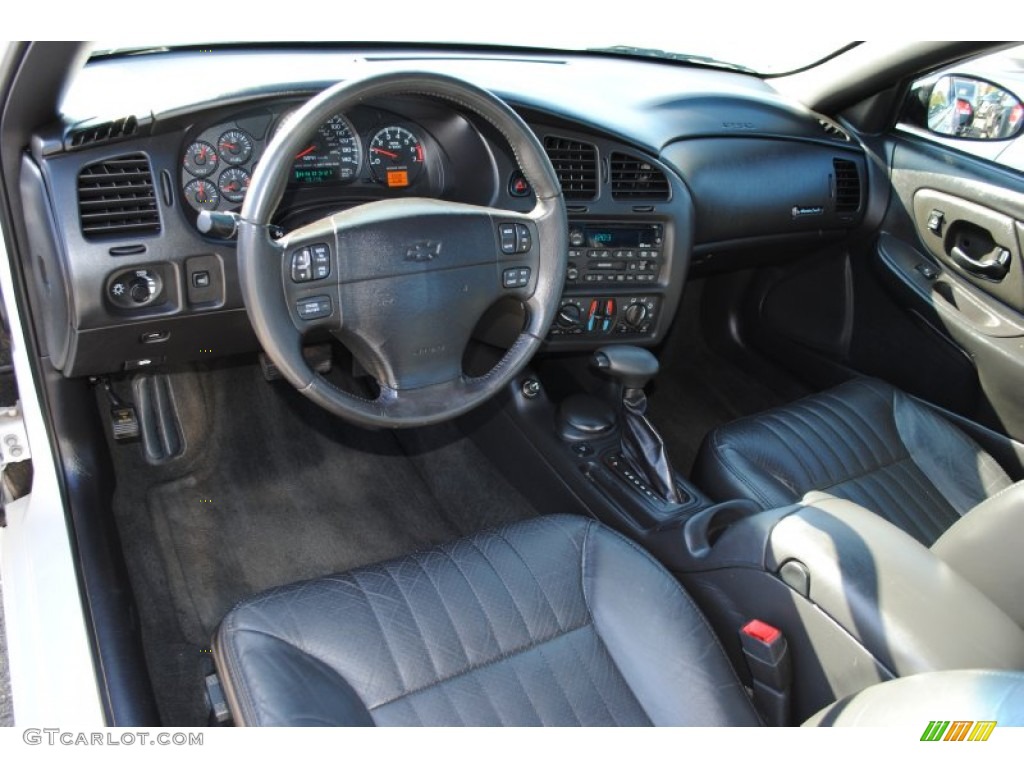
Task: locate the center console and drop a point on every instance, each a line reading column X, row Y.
column 617, row 277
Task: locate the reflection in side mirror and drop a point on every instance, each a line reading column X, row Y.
column 969, row 108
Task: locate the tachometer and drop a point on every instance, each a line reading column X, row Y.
column 235, row 147
column 396, row 156
column 200, row 159
column 333, row 154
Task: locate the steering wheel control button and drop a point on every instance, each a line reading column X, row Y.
column 321, row 260
column 314, row 308
column 524, row 240
column 507, row 235
column 302, row 266
column 515, row 277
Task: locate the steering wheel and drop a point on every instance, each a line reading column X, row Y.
column 407, row 279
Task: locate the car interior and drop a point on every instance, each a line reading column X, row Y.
column 413, row 384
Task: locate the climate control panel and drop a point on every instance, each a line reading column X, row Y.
column 596, row 316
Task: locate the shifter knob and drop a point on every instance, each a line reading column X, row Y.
column 632, row 366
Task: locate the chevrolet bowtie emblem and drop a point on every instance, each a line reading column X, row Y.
column 426, row 250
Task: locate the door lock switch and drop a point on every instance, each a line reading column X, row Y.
column 935, row 219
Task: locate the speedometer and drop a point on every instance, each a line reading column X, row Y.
column 332, row 155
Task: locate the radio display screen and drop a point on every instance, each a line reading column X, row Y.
column 621, row 237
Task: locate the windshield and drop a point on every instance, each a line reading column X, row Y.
column 561, row 30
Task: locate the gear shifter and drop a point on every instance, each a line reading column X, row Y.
column 642, row 446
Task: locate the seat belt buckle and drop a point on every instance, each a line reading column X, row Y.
column 767, row 655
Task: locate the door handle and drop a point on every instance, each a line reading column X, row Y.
column 994, row 268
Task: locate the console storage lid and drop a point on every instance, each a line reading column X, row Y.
column 906, row 606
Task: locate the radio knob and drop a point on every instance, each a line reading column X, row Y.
column 576, row 238
column 569, row 316
column 635, row 315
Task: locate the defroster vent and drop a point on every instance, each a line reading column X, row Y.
column 116, row 197
column 636, row 179
column 575, row 164
column 847, row 185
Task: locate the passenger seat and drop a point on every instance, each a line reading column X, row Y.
column 874, row 445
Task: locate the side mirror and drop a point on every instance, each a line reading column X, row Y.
column 967, row 107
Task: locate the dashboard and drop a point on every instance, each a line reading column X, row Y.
column 670, row 170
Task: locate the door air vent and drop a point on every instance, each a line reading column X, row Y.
column 576, row 166
column 847, row 185
column 636, row 179
column 116, row 197
column 833, row 129
column 108, row 131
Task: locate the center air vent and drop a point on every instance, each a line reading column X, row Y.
column 636, row 179
column 847, row 185
column 116, row 197
column 576, row 166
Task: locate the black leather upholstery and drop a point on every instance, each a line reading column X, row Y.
column 863, row 441
column 555, row 621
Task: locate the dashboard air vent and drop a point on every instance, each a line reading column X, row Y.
column 576, row 166
column 636, row 179
column 112, row 129
column 847, row 185
column 116, row 197
column 833, row 129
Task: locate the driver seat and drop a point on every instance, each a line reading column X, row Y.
column 554, row 621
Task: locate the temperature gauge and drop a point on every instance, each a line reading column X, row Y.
column 396, row 157
column 233, row 184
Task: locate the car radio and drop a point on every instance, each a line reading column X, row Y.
column 614, row 252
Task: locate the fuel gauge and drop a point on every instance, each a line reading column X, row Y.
column 235, row 146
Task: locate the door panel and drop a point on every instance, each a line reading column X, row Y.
column 950, row 254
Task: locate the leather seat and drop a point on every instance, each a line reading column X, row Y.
column 863, row 441
column 553, row 621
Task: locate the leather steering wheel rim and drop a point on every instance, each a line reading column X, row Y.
column 418, row 380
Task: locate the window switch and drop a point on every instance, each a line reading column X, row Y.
column 201, row 279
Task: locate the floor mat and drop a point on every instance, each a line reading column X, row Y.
column 271, row 490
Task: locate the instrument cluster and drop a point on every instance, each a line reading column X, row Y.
column 378, row 154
